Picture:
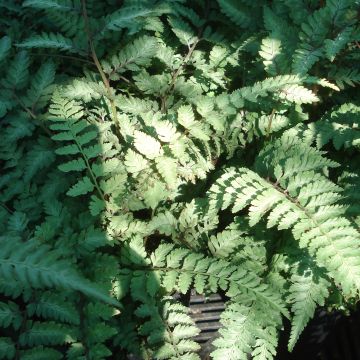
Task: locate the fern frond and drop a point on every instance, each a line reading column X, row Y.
column 41, row 353
column 163, row 222
column 266, row 124
column 50, row 41
column 133, row 57
column 47, row 333
column 167, row 168
column 306, row 207
column 314, row 43
column 278, row 159
column 343, row 77
column 85, row 90
column 152, row 84
column 17, row 222
column 333, row 47
column 188, row 13
column 281, row 28
column 5, row 46
column 270, row 51
column 322, row 82
column 341, row 126
column 305, row 58
column 258, row 334
column 53, row 306
column 170, row 330
column 131, row 17
column 18, row 72
column 223, row 111
column 306, row 292
column 297, row 94
column 38, row 158
column 182, row 30
column 67, row 119
column 40, row 91
column 314, row 31
column 7, row 348
column 179, row 268
column 287, row 87
column 225, row 242
column 71, row 24
column 155, row 194
column 135, row 162
column 82, row 187
column 186, row 118
column 237, row 12
column 36, row 265
column 10, row 315
column 147, row 145
column 48, row 4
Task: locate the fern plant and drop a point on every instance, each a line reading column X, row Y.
column 154, row 148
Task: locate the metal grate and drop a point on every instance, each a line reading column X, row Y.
column 206, row 314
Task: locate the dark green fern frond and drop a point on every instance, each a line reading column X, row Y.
column 40, row 89
column 47, row 333
column 18, row 72
column 344, row 77
column 132, row 57
column 34, row 264
column 10, row 315
column 41, row 353
column 48, row 4
column 50, row 41
column 237, row 12
column 7, row 348
column 5, row 46
column 54, row 306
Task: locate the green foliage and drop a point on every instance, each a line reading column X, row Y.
column 257, row 327
column 38, row 267
column 155, row 148
column 48, row 41
column 169, row 330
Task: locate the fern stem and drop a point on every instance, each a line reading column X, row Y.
column 178, row 354
column 254, row 290
column 176, row 75
column 82, row 326
column 64, row 57
column 93, row 177
column 305, row 211
column 98, row 65
column 6, row 208
column 184, row 62
column 270, row 123
column 21, row 330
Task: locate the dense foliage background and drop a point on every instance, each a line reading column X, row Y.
column 151, row 147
